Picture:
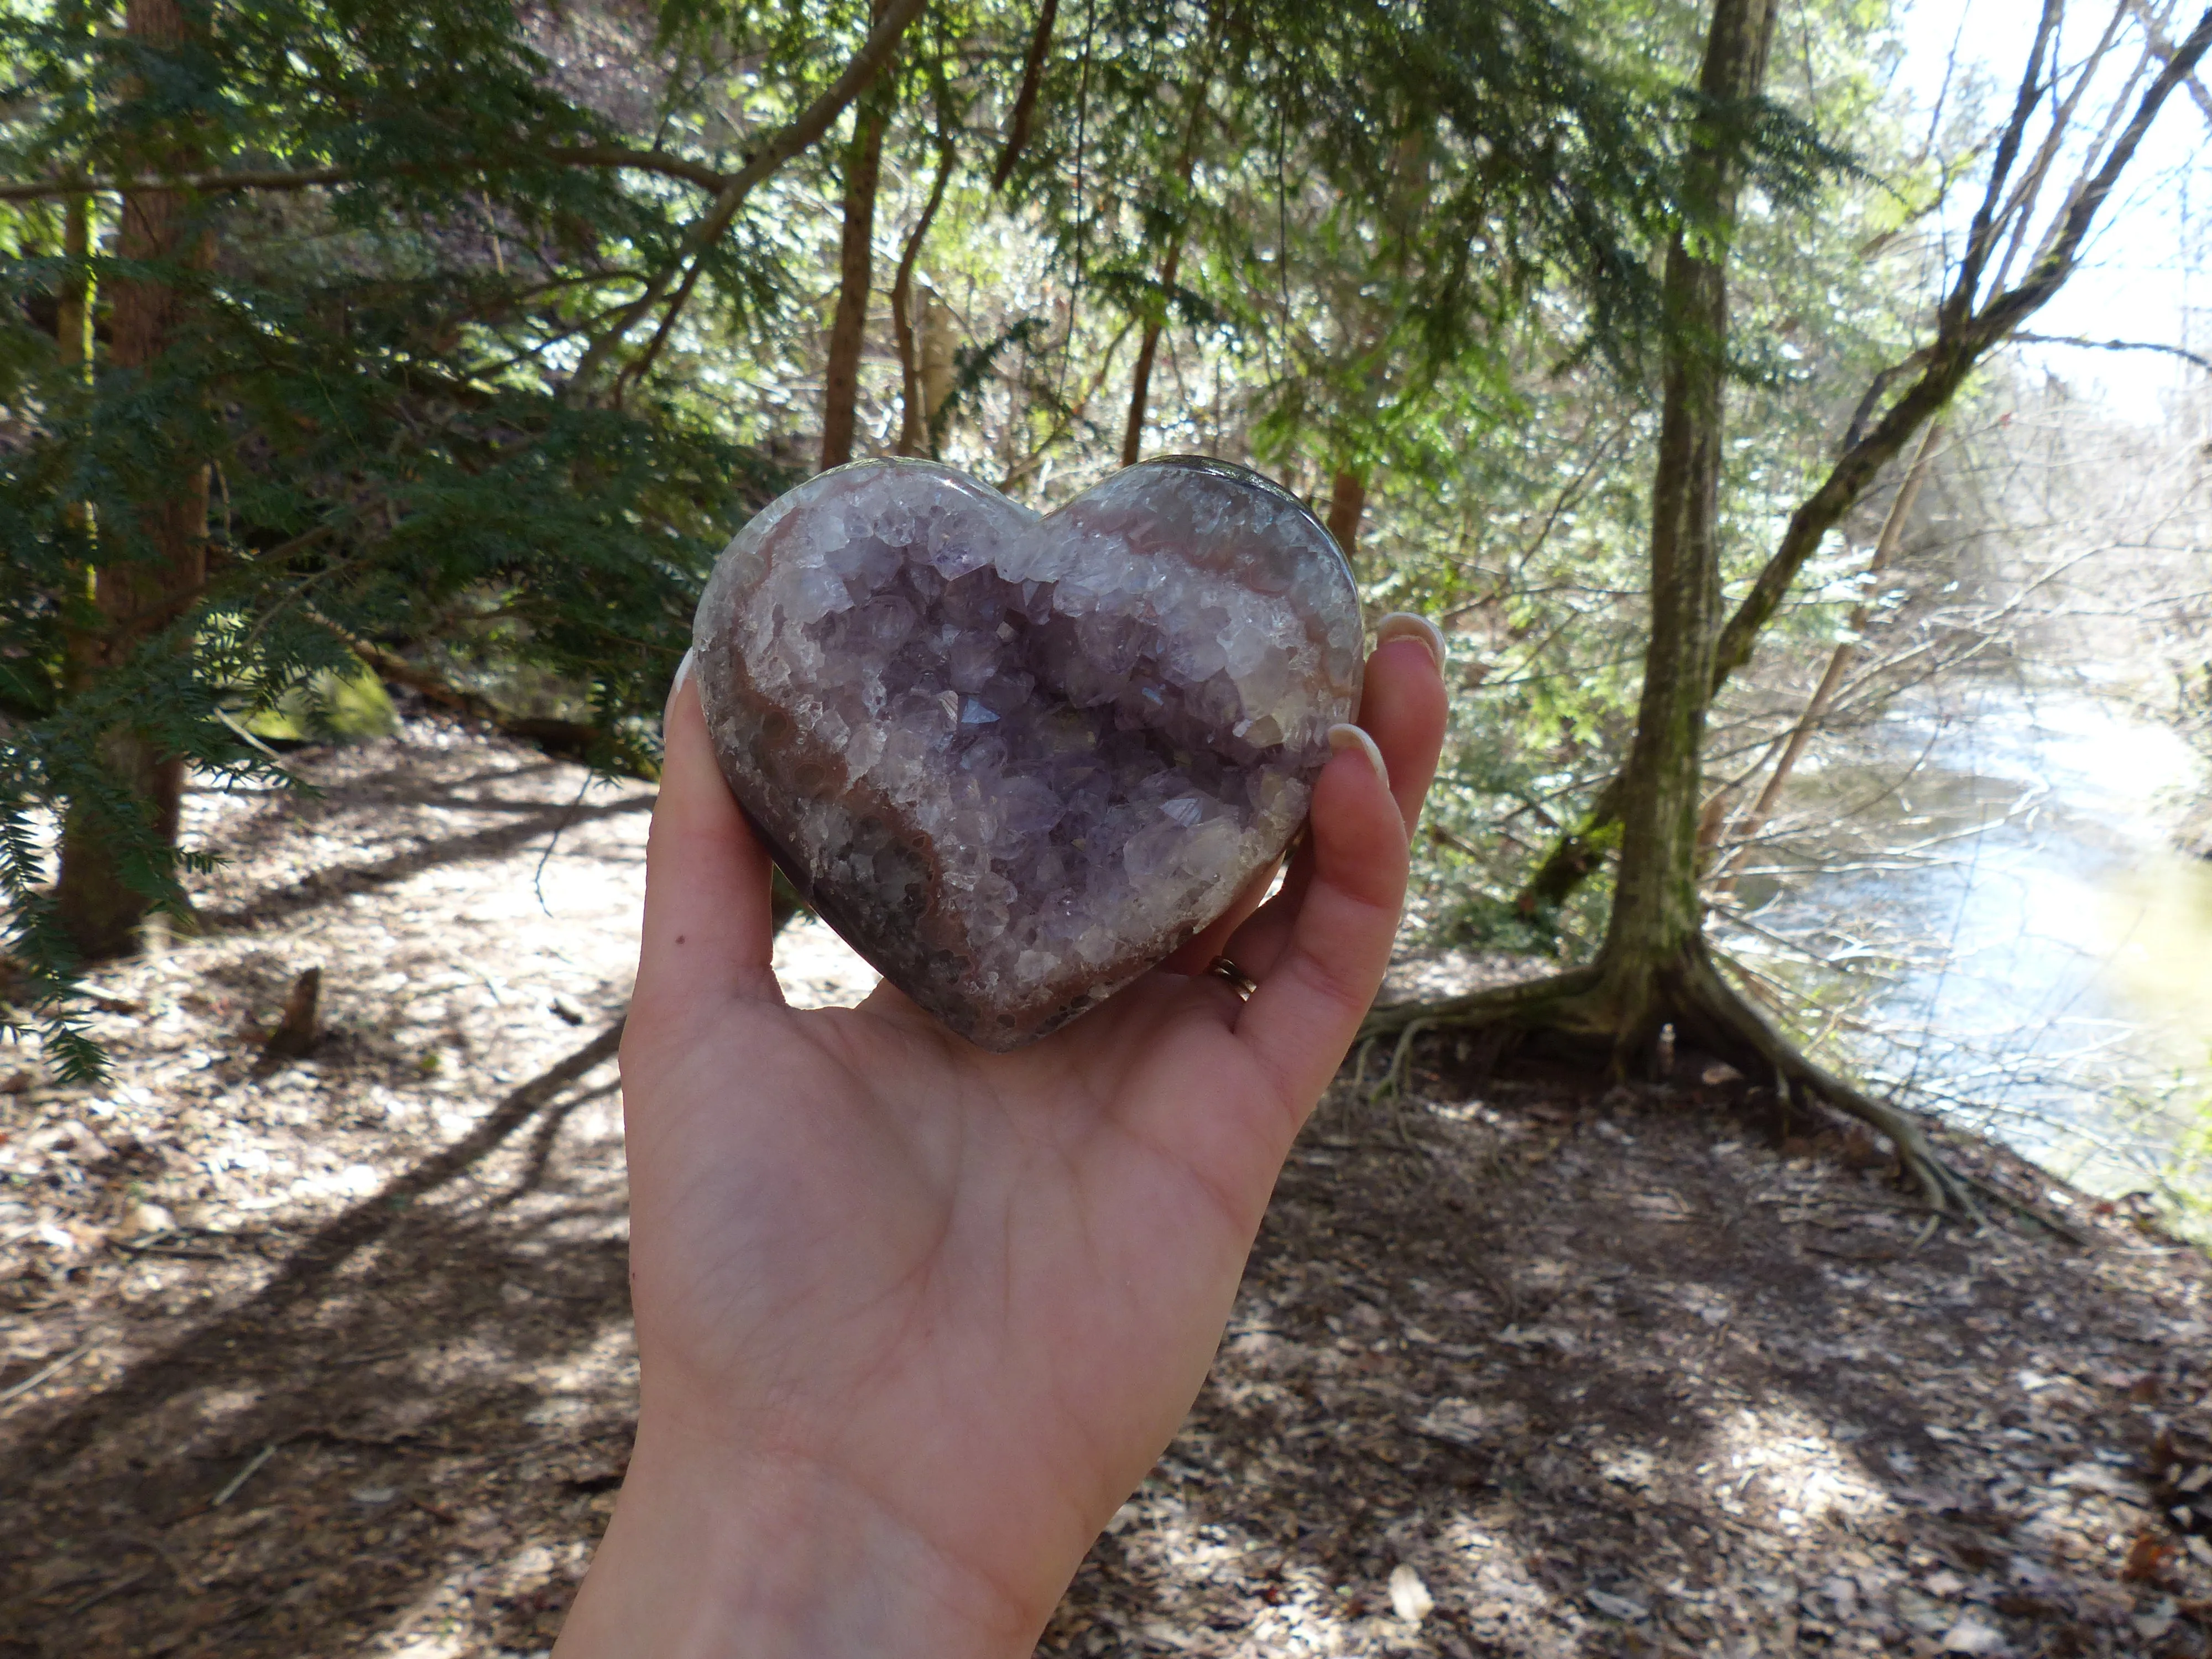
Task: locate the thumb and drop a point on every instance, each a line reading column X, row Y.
column 708, row 932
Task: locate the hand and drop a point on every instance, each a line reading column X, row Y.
column 914, row 1319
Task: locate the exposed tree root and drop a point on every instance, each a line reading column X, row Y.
column 1602, row 1007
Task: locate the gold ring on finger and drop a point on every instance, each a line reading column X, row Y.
column 1234, row 977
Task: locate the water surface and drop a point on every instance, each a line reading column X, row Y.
column 2039, row 962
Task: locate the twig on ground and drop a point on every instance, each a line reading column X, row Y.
column 115, row 1587
column 231, row 1487
column 51, row 1368
column 562, row 1444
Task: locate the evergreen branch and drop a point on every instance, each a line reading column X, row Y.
column 972, row 365
column 567, row 737
column 642, row 161
column 781, row 146
column 613, row 156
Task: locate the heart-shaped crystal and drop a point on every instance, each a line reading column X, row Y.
column 1015, row 761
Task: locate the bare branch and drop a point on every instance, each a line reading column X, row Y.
column 1959, row 304
column 1839, row 662
column 2162, row 49
column 2112, row 345
column 2020, row 209
column 780, row 147
column 2056, row 262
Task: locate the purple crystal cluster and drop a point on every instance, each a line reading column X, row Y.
column 1017, row 761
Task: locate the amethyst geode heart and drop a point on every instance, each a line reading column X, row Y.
column 1015, row 761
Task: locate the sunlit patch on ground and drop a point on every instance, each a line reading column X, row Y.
column 1515, row 1371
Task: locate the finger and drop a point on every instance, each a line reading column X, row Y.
column 707, row 929
column 1318, row 988
column 1403, row 709
column 1404, row 706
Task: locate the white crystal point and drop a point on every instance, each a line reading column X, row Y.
column 1018, row 761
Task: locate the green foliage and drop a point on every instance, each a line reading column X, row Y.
column 1417, row 244
column 973, row 365
column 369, row 370
column 331, row 706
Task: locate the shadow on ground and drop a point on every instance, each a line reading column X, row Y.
column 1563, row 1375
column 1518, row 1369
column 426, row 1400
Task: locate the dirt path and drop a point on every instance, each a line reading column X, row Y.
column 333, row 1358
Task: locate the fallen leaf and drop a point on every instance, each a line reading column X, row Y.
column 2155, row 1624
column 2147, row 1557
column 1409, row 1597
column 1971, row 1634
column 1616, row 1606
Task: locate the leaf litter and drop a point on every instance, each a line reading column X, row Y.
column 331, row 1356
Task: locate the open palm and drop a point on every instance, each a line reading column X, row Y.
column 914, row 1319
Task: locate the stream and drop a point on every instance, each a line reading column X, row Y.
column 2038, row 966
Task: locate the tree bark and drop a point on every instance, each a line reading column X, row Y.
column 913, row 420
column 73, row 320
column 841, row 389
column 1348, row 502
column 138, row 591
column 1148, row 344
column 935, row 350
column 1141, row 380
column 1025, row 100
column 1657, row 923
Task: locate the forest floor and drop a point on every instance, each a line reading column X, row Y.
column 333, row 1357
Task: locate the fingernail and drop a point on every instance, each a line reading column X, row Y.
column 1405, row 625
column 1346, row 736
column 682, row 673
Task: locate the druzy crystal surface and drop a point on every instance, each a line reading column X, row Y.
column 1016, row 761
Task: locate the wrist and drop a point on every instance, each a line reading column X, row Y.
column 719, row 1550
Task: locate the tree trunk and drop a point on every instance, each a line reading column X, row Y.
column 938, row 334
column 138, row 591
column 1140, row 382
column 1657, row 923
column 913, row 420
column 1347, row 500
column 73, row 324
column 1654, row 967
column 841, row 389
column 1148, row 344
